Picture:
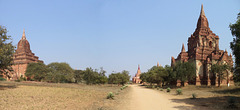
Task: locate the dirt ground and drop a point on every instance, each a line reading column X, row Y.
column 142, row 98
column 42, row 96
column 53, row 96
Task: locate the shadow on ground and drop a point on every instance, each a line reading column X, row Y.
column 211, row 103
column 4, row 87
column 235, row 91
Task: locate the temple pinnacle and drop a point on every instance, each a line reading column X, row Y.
column 183, row 48
column 23, row 36
column 202, row 11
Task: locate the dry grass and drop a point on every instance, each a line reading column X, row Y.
column 29, row 95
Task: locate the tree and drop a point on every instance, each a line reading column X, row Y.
column 171, row 78
column 78, row 75
column 37, row 71
column 124, row 77
column 113, row 78
column 158, row 74
column 184, row 71
column 6, row 52
column 119, row 78
column 235, row 45
column 155, row 75
column 144, row 76
column 60, row 73
column 220, row 70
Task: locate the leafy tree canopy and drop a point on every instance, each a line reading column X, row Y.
column 235, row 46
column 37, row 71
column 6, row 51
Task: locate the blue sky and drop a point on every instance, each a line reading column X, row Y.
column 114, row 34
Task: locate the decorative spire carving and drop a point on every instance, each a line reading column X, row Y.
column 202, row 25
column 172, row 61
column 23, row 35
column 138, row 67
column 157, row 64
column 183, row 48
column 202, row 11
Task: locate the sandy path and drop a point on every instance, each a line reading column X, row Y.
column 141, row 98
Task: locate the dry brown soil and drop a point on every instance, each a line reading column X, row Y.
column 141, row 98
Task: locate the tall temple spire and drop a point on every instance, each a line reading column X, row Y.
column 202, row 20
column 202, row 11
column 23, row 35
column 138, row 67
column 183, row 48
column 157, row 64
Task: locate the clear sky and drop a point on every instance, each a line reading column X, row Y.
column 114, row 34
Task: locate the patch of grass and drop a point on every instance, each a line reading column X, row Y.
column 168, row 89
column 179, row 91
column 194, row 96
column 123, row 87
column 110, row 95
column 2, row 79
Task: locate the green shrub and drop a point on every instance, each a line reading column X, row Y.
column 2, row 79
column 168, row 89
column 18, row 80
column 179, row 91
column 110, row 95
column 194, row 96
column 23, row 78
column 153, row 87
column 161, row 89
column 158, row 88
column 123, row 87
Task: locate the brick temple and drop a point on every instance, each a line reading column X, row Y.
column 22, row 57
column 203, row 50
column 137, row 79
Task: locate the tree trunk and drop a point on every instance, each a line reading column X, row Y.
column 219, row 80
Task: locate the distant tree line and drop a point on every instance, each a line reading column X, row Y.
column 183, row 71
column 63, row 73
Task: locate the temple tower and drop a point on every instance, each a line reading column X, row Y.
column 22, row 57
column 137, row 79
column 203, row 50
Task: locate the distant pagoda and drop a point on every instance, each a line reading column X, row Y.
column 137, row 79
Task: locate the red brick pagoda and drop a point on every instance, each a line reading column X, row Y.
column 137, row 79
column 22, row 57
column 203, row 50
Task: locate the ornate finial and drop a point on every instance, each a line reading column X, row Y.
column 183, row 48
column 202, row 11
column 23, row 36
column 138, row 67
column 226, row 50
column 157, row 64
